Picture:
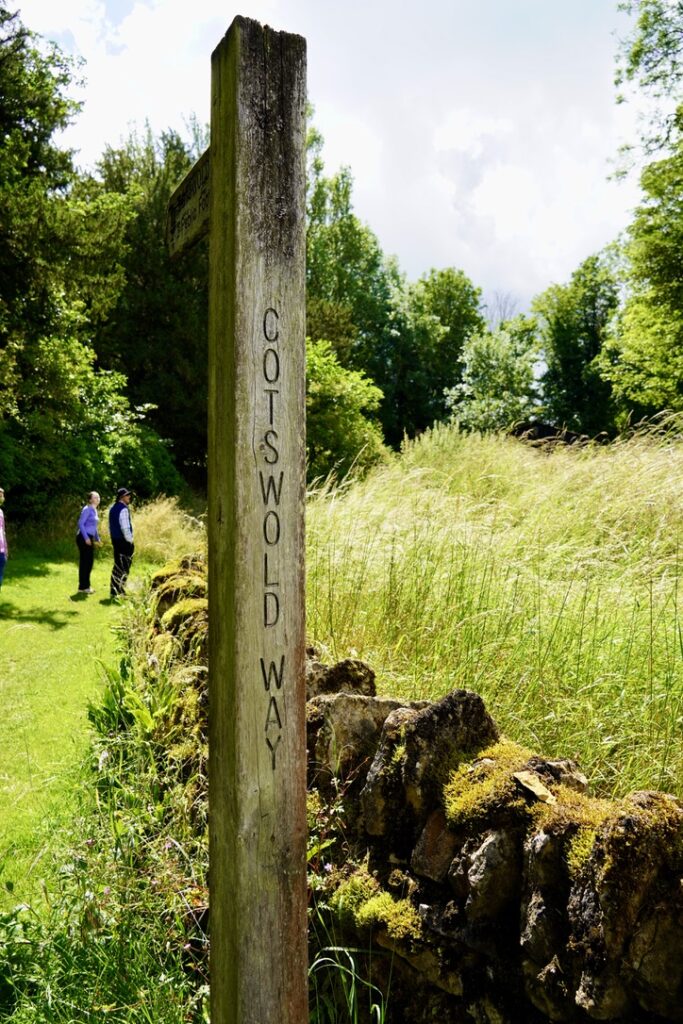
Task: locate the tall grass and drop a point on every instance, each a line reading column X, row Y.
column 546, row 580
column 163, row 530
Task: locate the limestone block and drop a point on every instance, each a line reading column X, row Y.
column 654, row 962
column 493, row 876
column 548, row 990
column 543, row 860
column 543, row 931
column 348, row 676
column 418, row 747
column 434, row 849
column 343, row 731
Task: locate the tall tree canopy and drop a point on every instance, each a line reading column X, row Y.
column 156, row 334
column 407, row 338
column 651, row 59
column 64, row 427
column 574, row 322
column 644, row 360
column 33, row 171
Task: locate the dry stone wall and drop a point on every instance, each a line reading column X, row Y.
column 503, row 891
column 495, row 887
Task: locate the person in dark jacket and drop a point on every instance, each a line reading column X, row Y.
column 86, row 539
column 121, row 533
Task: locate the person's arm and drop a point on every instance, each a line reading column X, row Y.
column 83, row 524
column 125, row 524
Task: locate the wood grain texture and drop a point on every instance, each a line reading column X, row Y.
column 256, row 528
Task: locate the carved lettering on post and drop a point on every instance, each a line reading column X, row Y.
column 257, row 753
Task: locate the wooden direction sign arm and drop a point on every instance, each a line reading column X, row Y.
column 187, row 215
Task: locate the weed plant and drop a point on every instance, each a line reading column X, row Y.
column 546, row 579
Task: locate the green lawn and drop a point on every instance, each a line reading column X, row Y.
column 51, row 642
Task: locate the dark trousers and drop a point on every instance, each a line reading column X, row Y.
column 3, row 563
column 86, row 557
column 123, row 556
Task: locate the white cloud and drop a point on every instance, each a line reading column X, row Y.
column 479, row 135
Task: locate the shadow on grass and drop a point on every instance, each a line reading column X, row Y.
column 49, row 617
column 34, row 563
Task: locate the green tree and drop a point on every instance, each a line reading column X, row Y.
column 407, row 338
column 498, row 386
column 574, row 322
column 347, row 281
column 643, row 360
column 340, row 436
column 651, row 59
column 404, row 365
column 33, row 173
column 60, row 419
column 156, row 334
column 451, row 299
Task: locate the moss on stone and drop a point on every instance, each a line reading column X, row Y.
column 398, row 755
column 189, row 583
column 478, row 788
column 579, row 815
column 182, row 611
column 399, row 917
column 650, row 830
column 360, row 904
column 164, row 647
column 352, row 894
column 161, row 575
column 178, row 567
column 641, row 836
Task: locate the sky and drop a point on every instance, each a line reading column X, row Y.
column 481, row 134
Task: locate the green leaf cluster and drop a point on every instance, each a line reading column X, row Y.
column 341, row 437
column 498, row 386
column 66, row 425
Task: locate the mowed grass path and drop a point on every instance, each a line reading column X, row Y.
column 52, row 640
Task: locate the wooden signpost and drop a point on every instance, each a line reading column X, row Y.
column 252, row 184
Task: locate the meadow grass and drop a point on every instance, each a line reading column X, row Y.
column 546, row 580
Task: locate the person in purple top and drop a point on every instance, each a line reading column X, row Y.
column 4, row 551
column 86, row 539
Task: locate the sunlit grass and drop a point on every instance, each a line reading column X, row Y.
column 546, row 581
column 53, row 645
column 52, row 641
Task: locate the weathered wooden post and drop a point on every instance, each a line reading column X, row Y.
column 249, row 192
column 257, row 786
